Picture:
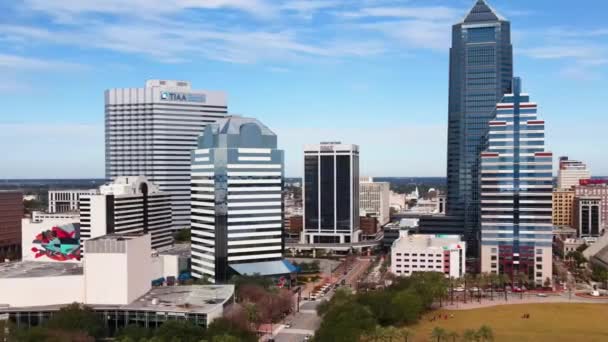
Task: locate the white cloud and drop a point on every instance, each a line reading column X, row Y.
column 418, row 13
column 20, row 62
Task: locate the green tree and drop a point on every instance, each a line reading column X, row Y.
column 406, row 307
column 134, row 332
column 75, row 318
column 452, row 336
column 469, row 335
column 183, row 331
column 438, row 334
column 223, row 326
column 405, row 334
column 182, row 235
column 485, row 333
column 345, row 323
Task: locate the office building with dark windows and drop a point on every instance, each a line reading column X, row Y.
column 128, row 205
column 331, row 193
column 587, row 216
column 151, row 131
column 481, row 71
column 237, row 209
column 516, row 192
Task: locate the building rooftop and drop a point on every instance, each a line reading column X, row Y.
column 117, row 236
column 37, row 269
column 482, row 12
column 201, row 299
column 427, row 241
column 186, row 299
column 182, row 250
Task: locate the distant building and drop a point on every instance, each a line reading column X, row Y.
column 369, row 227
column 428, row 253
column 64, row 201
column 128, row 205
column 39, row 216
column 374, row 199
column 441, row 203
column 294, row 225
column 392, row 231
column 516, row 192
column 563, row 201
column 397, row 201
column 11, row 212
column 151, row 131
column 237, row 209
column 587, row 216
column 571, row 172
column 567, row 245
column 331, row 193
column 597, row 189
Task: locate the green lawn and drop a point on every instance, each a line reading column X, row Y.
column 548, row 322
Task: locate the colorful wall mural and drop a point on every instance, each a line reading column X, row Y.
column 60, row 243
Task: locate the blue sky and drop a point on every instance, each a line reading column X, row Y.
column 371, row 72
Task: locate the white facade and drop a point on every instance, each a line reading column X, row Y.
column 428, row 253
column 374, row 198
column 41, row 291
column 237, row 210
column 128, row 205
column 571, row 172
column 61, row 201
column 118, row 269
column 151, row 131
column 39, row 216
column 331, row 193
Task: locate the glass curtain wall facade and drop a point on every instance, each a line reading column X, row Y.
column 481, row 70
column 331, row 193
column 517, row 185
column 237, row 207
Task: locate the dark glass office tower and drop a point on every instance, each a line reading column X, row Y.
column 481, row 70
column 331, row 193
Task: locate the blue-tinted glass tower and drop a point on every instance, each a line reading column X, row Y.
column 516, row 192
column 481, row 71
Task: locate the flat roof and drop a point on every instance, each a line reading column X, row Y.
column 36, row 269
column 182, row 250
column 185, row 299
column 427, row 241
column 201, row 299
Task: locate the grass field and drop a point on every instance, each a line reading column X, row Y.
column 547, row 322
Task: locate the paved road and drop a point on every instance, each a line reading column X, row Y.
column 306, row 322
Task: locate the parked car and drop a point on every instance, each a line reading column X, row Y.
column 541, row 295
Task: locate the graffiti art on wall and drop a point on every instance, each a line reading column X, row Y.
column 60, row 243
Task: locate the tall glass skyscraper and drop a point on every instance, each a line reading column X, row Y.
column 516, row 192
column 481, row 71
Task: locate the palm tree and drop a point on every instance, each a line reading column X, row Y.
column 390, row 333
column 438, row 334
column 485, row 333
column 373, row 335
column 469, row 335
column 452, row 335
column 405, row 334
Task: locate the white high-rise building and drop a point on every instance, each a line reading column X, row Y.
column 151, row 131
column 571, row 172
column 237, row 209
column 374, row 199
column 128, row 205
column 331, row 193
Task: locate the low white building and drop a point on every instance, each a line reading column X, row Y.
column 61, row 201
column 428, row 253
column 115, row 280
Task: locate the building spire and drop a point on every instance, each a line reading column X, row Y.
column 482, row 12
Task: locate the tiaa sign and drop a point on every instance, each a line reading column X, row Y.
column 183, row 97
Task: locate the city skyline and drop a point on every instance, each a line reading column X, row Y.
column 294, row 59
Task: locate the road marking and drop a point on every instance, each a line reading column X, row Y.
column 297, row 331
column 314, row 312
